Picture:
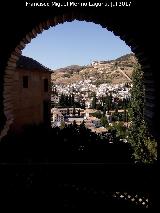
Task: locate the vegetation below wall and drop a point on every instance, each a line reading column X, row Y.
column 72, row 143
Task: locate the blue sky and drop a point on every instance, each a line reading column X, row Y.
column 76, row 42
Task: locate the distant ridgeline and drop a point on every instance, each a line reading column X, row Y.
column 111, row 71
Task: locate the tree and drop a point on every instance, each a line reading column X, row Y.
column 94, row 101
column 143, row 151
column 68, row 111
column 121, row 129
column 79, row 112
column 74, row 110
column 97, row 114
column 72, row 100
column 104, row 111
column 107, row 102
column 83, row 105
column 116, row 110
column 82, row 124
column 110, row 101
column 124, row 103
column 74, row 124
column 62, row 125
column 104, row 121
column 61, row 100
column 66, row 101
column 125, row 116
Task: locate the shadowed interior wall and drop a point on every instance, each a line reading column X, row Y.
column 28, row 102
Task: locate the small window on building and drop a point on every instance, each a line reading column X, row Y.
column 25, row 81
column 46, row 85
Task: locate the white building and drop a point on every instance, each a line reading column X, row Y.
column 55, row 99
column 77, row 120
column 95, row 121
column 88, row 112
column 109, row 117
column 57, row 118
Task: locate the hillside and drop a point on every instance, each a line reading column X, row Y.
column 70, row 69
column 113, row 71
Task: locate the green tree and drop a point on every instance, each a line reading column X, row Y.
column 83, row 104
column 82, row 124
column 104, row 121
column 67, row 111
column 121, row 129
column 66, row 101
column 108, row 102
column 75, row 124
column 62, row 125
column 94, row 101
column 72, row 100
column 125, row 115
column 144, row 147
column 104, row 111
column 79, row 112
column 97, row 114
column 74, row 110
column 61, row 100
column 116, row 110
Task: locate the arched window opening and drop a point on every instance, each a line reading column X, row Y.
column 86, row 104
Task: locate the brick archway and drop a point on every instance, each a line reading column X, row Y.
column 132, row 41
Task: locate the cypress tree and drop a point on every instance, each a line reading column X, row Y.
column 69, row 101
column 67, row 111
column 79, row 112
column 144, row 149
column 72, row 100
column 94, row 101
column 74, row 110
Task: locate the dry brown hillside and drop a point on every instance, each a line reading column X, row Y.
column 114, row 71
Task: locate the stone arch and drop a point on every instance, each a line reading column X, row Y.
column 130, row 40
